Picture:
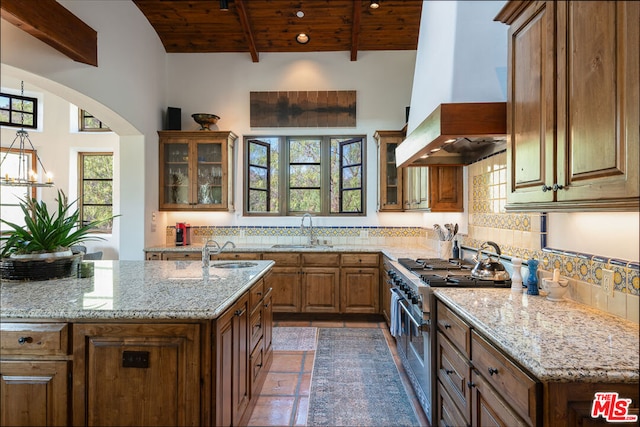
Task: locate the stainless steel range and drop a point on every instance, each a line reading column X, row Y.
column 410, row 282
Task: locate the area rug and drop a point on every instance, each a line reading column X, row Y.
column 294, row 338
column 355, row 381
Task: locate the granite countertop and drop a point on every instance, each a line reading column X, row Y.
column 133, row 290
column 556, row 341
column 393, row 252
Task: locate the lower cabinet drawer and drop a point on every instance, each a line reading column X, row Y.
column 360, row 260
column 520, row 389
column 320, row 259
column 448, row 412
column 456, row 329
column 257, row 363
column 34, row 338
column 256, row 328
column 454, row 374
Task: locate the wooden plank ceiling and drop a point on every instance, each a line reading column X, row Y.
column 256, row 26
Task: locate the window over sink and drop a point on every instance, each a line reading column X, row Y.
column 290, row 175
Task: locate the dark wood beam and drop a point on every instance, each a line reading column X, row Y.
column 50, row 22
column 355, row 28
column 246, row 27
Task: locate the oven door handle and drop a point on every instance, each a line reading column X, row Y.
column 422, row 326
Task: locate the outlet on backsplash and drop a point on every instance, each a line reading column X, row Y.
column 607, row 282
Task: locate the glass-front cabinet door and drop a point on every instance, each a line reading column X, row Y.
column 195, row 170
column 391, row 177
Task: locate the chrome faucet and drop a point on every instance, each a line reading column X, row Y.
column 312, row 239
column 206, row 253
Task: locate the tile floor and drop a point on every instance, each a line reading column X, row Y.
column 284, row 400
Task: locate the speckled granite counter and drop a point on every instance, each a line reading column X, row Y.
column 393, row 252
column 133, row 290
column 556, row 341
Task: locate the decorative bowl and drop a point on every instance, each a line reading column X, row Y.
column 555, row 290
column 205, row 120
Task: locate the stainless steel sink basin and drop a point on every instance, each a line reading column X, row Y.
column 287, row 246
column 235, row 264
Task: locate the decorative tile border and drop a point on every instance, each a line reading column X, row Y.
column 284, row 231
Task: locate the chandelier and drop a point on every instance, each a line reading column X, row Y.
column 24, row 176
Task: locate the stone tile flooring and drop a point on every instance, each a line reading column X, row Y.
column 284, row 400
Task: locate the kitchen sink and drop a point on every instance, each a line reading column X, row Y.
column 286, row 246
column 235, row 264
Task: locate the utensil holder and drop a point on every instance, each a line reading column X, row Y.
column 444, row 249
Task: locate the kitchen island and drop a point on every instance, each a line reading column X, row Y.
column 519, row 359
column 139, row 343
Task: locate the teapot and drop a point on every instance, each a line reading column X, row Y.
column 489, row 269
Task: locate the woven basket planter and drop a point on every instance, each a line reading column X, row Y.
column 40, row 268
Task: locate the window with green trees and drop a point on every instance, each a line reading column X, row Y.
column 95, row 188
column 18, row 111
column 88, row 123
column 323, row 175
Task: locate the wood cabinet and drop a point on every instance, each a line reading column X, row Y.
column 385, row 290
column 389, row 176
column 196, row 170
column 433, row 188
column 147, row 372
column 312, row 282
column 360, row 283
column 232, row 363
column 572, row 110
column 34, row 374
column 476, row 383
column 285, row 279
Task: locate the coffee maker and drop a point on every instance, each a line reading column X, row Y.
column 183, row 234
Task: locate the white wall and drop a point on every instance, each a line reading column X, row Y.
column 126, row 90
column 221, row 84
column 58, row 143
column 462, row 56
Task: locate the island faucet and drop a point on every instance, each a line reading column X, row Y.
column 206, row 253
column 312, row 239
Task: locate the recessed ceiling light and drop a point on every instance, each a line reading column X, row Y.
column 300, row 14
column 302, row 38
column 374, row 4
column 435, row 150
column 449, row 141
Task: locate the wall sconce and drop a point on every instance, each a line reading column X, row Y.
column 224, row 4
column 302, row 38
column 374, row 4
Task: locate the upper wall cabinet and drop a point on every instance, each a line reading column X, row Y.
column 433, row 188
column 573, row 105
column 196, row 170
column 390, row 177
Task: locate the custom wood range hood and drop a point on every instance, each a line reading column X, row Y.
column 456, row 134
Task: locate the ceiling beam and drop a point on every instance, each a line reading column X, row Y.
column 355, row 28
column 50, row 22
column 246, row 27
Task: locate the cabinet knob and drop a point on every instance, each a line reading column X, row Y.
column 557, row 187
column 239, row 312
column 447, row 326
column 471, row 384
column 546, row 188
column 25, row 340
column 492, row 371
column 448, row 371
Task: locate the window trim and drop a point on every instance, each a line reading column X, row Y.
column 11, row 123
column 80, row 202
column 284, row 176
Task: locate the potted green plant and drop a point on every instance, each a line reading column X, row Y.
column 40, row 250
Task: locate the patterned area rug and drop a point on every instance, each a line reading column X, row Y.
column 294, row 339
column 355, row 381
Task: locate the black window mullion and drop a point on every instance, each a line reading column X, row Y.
column 267, row 168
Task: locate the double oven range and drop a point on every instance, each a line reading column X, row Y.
column 410, row 282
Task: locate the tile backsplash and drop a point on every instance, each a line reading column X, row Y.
column 523, row 235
